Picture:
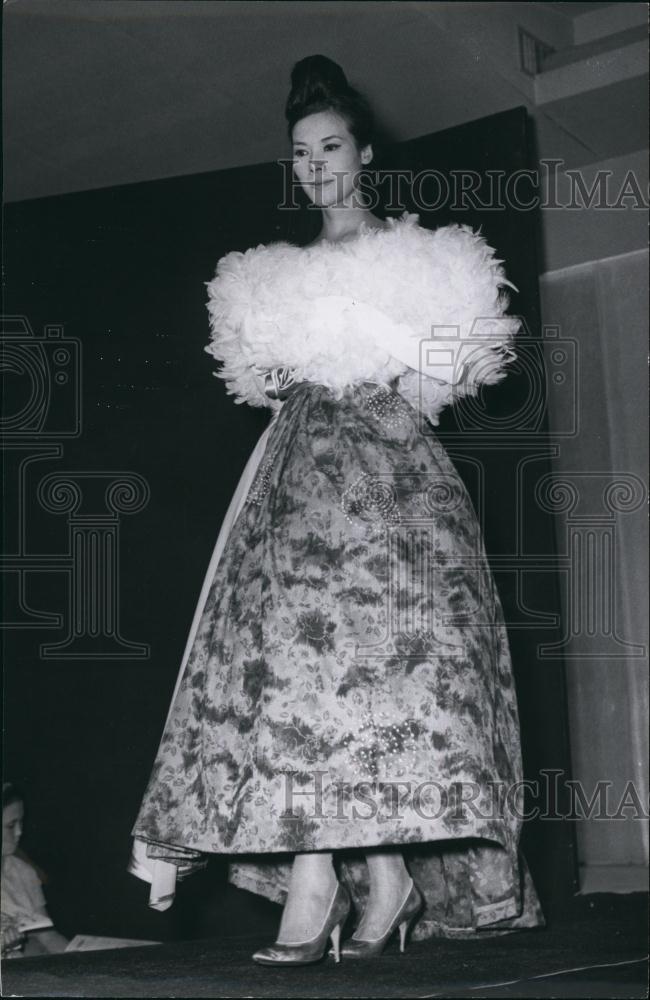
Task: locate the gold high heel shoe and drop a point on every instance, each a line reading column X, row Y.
column 408, row 911
column 306, row 952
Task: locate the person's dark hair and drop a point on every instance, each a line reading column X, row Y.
column 10, row 794
column 319, row 84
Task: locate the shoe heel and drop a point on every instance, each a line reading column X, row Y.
column 404, row 929
column 335, row 935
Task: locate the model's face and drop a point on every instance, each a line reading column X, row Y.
column 326, row 159
column 12, row 827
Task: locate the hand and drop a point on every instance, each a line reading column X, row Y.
column 12, row 939
column 45, row 943
column 279, row 382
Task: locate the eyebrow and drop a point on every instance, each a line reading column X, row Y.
column 299, row 142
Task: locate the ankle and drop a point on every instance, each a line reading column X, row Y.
column 390, row 884
column 321, row 889
column 315, row 875
column 328, row 884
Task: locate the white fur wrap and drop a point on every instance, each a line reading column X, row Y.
column 368, row 310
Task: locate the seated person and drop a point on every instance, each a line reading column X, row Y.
column 26, row 927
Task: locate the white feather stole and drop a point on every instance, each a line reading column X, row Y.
column 368, row 310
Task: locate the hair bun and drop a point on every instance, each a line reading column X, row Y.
column 315, row 80
column 319, row 84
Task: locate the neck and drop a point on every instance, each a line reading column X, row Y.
column 343, row 220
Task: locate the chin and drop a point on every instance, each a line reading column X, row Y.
column 320, row 198
column 325, row 202
column 330, row 197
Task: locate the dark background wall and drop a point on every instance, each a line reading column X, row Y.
column 123, row 270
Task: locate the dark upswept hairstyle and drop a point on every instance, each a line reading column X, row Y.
column 319, row 84
column 10, row 793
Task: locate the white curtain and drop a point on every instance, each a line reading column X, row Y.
column 603, row 307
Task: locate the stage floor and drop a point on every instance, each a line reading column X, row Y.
column 595, row 950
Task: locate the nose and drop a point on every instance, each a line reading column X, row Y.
column 315, row 166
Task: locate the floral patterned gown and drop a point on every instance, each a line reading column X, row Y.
column 348, row 683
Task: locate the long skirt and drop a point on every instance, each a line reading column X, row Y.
column 348, row 686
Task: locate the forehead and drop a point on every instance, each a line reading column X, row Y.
column 11, row 812
column 316, row 127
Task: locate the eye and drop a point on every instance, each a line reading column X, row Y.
column 331, row 146
column 299, row 153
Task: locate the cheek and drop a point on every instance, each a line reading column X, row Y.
column 300, row 176
column 348, row 165
column 301, row 169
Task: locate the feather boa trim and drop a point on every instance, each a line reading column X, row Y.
column 427, row 308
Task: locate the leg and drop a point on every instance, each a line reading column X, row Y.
column 315, row 910
column 312, row 885
column 389, row 885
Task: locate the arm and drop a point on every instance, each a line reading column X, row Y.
column 462, row 334
column 46, row 942
column 12, row 938
column 232, row 307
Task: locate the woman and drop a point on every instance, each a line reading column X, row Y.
column 345, row 721
column 27, row 929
